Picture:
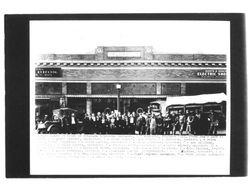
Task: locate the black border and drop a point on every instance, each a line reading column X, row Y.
column 17, row 88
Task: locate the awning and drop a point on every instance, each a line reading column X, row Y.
column 115, row 96
column 197, row 99
column 99, row 96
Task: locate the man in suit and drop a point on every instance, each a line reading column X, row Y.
column 140, row 123
column 182, row 121
column 190, row 120
column 153, row 125
column 214, row 123
column 167, row 123
column 159, row 122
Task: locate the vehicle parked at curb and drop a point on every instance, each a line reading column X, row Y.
column 59, row 123
column 204, row 103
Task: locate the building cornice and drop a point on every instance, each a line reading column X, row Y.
column 153, row 63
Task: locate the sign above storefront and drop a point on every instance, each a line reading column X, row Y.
column 124, row 54
column 48, row 72
column 211, row 73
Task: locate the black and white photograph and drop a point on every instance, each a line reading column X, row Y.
column 129, row 93
column 126, row 87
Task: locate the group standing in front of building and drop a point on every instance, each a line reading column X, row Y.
column 172, row 123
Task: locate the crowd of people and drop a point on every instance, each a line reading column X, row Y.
column 171, row 123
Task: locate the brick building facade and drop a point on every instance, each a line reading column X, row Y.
column 87, row 82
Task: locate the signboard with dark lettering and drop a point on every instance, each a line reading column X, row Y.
column 48, row 72
column 211, row 73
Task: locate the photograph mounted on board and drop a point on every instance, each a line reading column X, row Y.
column 151, row 92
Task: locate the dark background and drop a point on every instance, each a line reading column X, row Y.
column 17, row 86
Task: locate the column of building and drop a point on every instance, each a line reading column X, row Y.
column 88, row 100
column 64, row 99
column 183, row 92
column 183, row 88
column 158, row 88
